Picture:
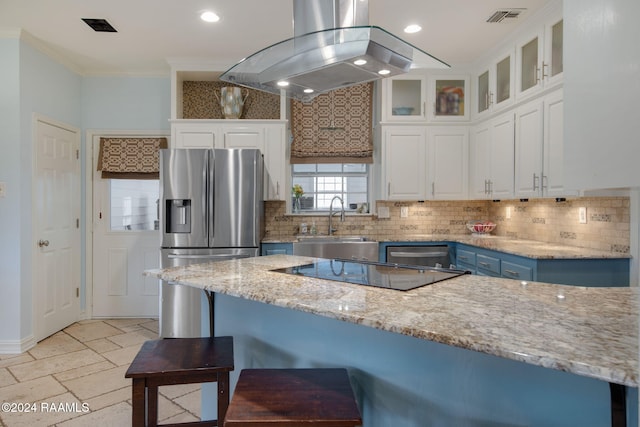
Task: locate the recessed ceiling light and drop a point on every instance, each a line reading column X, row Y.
column 413, row 28
column 209, row 16
column 308, row 91
column 383, row 72
column 283, row 83
column 359, row 62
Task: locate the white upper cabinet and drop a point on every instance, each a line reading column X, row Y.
column 404, row 98
column 529, row 139
column 404, row 157
column 448, row 98
column 242, row 136
column 553, row 146
column 495, row 84
column 539, row 164
column 192, row 134
column 491, row 158
column 424, row 162
column 448, row 154
column 539, row 58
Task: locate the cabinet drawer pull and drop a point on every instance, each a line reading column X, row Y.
column 512, row 273
column 463, row 258
column 485, row 264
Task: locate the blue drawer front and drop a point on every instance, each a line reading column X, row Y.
column 465, row 257
column 516, row 271
column 487, row 263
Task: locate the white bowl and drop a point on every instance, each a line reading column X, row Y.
column 481, row 227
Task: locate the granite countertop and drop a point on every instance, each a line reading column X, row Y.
column 591, row 332
column 525, row 248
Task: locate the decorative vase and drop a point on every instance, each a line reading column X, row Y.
column 296, row 205
column 231, row 101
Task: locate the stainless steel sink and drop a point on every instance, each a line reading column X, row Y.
column 325, row 238
column 351, row 247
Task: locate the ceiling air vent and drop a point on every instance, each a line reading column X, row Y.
column 100, row 25
column 501, row 15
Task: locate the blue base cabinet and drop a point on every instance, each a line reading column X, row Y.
column 601, row 272
column 403, row 381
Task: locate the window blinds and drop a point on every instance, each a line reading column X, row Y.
column 335, row 127
column 130, row 158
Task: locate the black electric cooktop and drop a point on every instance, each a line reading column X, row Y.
column 381, row 275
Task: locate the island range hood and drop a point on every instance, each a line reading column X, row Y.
column 333, row 47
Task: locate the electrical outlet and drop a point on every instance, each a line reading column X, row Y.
column 582, row 215
column 383, row 212
column 508, row 214
column 3, row 189
column 404, row 212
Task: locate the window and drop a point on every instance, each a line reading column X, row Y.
column 321, row 182
column 134, row 204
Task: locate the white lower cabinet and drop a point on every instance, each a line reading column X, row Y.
column 491, row 158
column 266, row 135
column 539, row 147
column 424, row 163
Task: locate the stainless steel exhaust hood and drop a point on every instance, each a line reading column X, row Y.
column 333, row 47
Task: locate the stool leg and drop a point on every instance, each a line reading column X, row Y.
column 152, row 406
column 223, row 396
column 138, row 402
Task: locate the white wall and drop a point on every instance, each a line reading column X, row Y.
column 30, row 82
column 10, row 205
column 602, row 91
column 50, row 89
column 120, row 104
column 126, row 103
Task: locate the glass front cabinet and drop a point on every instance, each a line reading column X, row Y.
column 495, row 85
column 449, row 99
column 404, row 98
column 540, row 59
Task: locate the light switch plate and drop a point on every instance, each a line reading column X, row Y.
column 383, row 212
column 404, row 212
column 3, row 189
column 582, row 215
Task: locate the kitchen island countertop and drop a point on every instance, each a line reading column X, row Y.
column 591, row 332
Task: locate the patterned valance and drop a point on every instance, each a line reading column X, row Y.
column 130, row 158
column 335, row 127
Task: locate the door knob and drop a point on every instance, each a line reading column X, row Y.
column 42, row 243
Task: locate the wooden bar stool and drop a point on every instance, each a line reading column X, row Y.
column 179, row 361
column 293, row 397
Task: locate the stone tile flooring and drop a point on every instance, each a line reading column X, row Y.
column 80, row 370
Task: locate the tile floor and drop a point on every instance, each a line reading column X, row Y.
column 85, row 365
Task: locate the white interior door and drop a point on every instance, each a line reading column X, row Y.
column 126, row 242
column 56, row 218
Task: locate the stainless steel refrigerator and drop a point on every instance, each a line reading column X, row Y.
column 211, row 209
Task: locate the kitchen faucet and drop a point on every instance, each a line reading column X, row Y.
column 331, row 229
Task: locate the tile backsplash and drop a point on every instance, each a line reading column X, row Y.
column 607, row 227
